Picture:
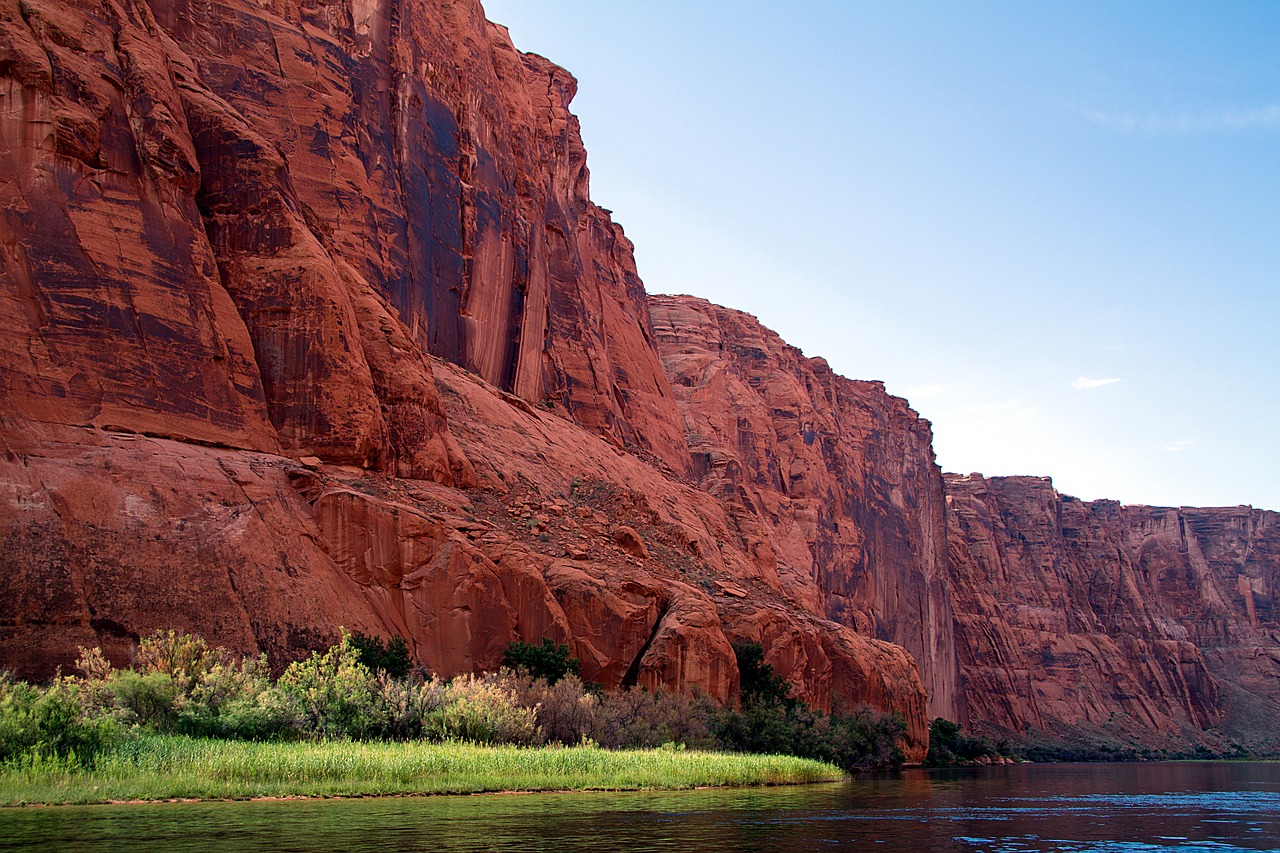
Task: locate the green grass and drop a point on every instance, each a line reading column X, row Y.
column 170, row 767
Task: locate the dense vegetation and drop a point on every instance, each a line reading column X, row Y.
column 549, row 661
column 950, row 744
column 771, row 720
column 182, row 697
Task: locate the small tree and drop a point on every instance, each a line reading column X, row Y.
column 759, row 684
column 550, row 660
column 391, row 658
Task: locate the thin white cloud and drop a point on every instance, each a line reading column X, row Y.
column 1258, row 118
column 1085, row 383
column 1175, row 446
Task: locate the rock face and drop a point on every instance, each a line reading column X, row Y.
column 832, row 481
column 573, row 495
column 236, row 239
column 434, row 164
column 1149, row 624
column 307, row 320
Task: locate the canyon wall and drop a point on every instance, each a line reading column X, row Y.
column 1145, row 625
column 833, row 480
column 237, row 240
column 307, row 320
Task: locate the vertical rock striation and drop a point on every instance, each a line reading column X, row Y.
column 307, row 319
column 235, row 237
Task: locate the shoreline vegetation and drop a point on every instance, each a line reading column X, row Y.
column 190, row 721
column 177, row 767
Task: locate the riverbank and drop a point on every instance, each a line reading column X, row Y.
column 176, row 767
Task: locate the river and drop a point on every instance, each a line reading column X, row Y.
column 1210, row 806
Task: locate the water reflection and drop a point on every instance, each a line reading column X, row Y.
column 1086, row 807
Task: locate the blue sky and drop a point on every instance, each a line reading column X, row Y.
column 1054, row 228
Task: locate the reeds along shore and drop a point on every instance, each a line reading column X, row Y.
column 165, row 767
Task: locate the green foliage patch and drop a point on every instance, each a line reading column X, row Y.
column 550, row 660
column 771, row 720
column 950, row 744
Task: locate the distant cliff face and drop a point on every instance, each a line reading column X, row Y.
column 1148, row 623
column 832, row 481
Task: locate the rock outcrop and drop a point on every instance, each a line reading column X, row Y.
column 1149, row 625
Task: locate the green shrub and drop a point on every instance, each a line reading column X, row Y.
column 50, row 723
column 334, row 692
column 550, row 660
column 758, row 683
column 771, row 720
column 236, row 699
column 185, row 658
column 146, row 699
column 950, row 744
column 482, row 710
column 865, row 740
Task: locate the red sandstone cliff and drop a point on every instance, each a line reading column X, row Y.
column 237, row 240
column 832, row 481
column 1145, row 624
column 234, row 237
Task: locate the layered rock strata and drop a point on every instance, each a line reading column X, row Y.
column 235, row 237
column 307, row 320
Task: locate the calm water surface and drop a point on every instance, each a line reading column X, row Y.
column 1072, row 807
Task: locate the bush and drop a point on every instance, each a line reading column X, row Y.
column 236, row 699
column 185, row 658
column 550, row 660
column 403, row 707
column 567, row 712
column 643, row 718
column 771, row 720
column 758, row 683
column 180, row 684
column 950, row 744
column 38, row 724
column 482, row 710
column 334, row 692
column 865, row 740
column 183, row 685
column 146, row 699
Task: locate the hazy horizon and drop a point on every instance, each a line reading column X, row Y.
column 1055, row 231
